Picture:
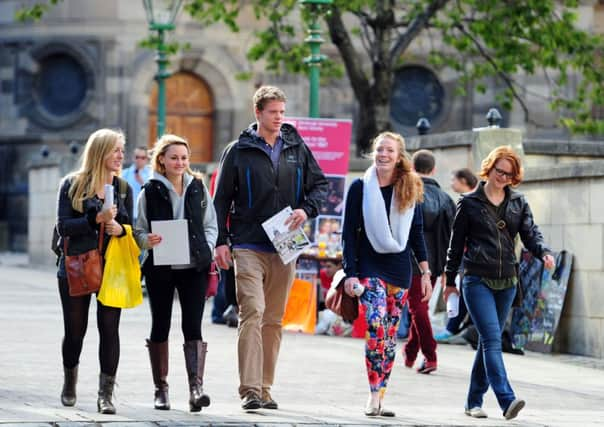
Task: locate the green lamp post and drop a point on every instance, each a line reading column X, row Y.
column 314, row 39
column 160, row 16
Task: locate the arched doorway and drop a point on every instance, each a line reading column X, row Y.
column 189, row 113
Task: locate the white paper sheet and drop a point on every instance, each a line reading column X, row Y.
column 174, row 246
column 289, row 244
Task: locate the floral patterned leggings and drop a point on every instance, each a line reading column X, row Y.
column 383, row 307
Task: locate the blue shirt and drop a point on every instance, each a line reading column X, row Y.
column 393, row 268
column 129, row 174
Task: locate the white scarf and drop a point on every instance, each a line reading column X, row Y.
column 384, row 239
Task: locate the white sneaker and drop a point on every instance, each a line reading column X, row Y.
column 476, row 412
column 515, row 407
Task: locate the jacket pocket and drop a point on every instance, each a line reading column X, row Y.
column 298, row 185
column 248, row 180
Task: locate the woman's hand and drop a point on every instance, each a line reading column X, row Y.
column 153, row 239
column 106, row 215
column 114, row 228
column 448, row 290
column 349, row 284
column 549, row 262
column 426, row 287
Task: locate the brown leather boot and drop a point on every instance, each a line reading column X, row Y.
column 68, row 395
column 158, row 355
column 195, row 360
column 103, row 403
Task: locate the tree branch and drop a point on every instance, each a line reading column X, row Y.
column 353, row 63
column 416, row 26
column 506, row 79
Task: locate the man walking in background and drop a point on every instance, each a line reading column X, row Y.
column 438, row 210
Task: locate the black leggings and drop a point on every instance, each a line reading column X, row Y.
column 75, row 321
column 191, row 285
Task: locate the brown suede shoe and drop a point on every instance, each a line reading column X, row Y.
column 267, row 401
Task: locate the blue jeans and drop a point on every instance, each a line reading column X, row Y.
column 489, row 310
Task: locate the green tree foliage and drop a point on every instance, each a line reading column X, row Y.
column 479, row 39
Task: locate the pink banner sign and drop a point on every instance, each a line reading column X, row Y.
column 329, row 141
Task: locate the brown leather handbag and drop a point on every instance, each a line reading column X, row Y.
column 339, row 301
column 84, row 271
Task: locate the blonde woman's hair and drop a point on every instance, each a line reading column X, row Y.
column 92, row 173
column 160, row 148
column 408, row 186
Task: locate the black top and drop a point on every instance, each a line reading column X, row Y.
column 490, row 249
column 393, row 268
column 249, row 190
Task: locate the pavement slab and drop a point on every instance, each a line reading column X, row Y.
column 320, row 381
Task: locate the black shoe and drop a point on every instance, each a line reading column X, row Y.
column 231, row 316
column 267, row 401
column 251, row 401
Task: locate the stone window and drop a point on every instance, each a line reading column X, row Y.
column 416, row 92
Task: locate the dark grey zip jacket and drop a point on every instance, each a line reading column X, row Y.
column 249, row 190
column 490, row 252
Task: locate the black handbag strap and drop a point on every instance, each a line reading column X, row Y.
column 499, row 222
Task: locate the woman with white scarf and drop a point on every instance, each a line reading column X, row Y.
column 382, row 225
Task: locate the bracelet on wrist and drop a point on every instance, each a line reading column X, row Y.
column 428, row 272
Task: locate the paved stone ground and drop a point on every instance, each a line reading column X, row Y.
column 320, row 380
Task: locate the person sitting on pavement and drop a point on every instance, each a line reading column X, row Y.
column 176, row 192
column 382, row 223
column 462, row 181
column 438, row 211
column 80, row 214
column 486, row 222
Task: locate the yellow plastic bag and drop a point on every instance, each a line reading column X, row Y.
column 121, row 286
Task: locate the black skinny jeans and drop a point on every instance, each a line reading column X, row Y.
column 75, row 321
column 191, row 285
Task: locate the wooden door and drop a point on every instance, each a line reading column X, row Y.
column 189, row 114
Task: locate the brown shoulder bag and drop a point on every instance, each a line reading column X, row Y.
column 84, row 271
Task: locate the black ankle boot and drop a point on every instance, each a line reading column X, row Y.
column 103, row 403
column 68, row 395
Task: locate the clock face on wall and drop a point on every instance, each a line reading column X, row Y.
column 416, row 93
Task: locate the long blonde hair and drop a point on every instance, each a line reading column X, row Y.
column 408, row 186
column 92, row 173
column 160, row 148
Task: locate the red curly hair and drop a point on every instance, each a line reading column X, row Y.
column 503, row 152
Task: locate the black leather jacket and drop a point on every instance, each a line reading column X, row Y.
column 249, row 190
column 490, row 251
column 81, row 227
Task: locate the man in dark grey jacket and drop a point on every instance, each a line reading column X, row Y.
column 267, row 169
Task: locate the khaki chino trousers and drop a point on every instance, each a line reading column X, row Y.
column 263, row 283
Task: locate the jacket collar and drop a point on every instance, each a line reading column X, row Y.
column 249, row 137
column 479, row 193
column 430, row 181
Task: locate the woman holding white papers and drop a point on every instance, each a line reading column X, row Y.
column 80, row 219
column 174, row 193
column 383, row 222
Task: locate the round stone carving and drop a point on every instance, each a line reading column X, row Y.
column 416, row 93
column 60, row 86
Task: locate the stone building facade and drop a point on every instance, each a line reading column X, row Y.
column 80, row 68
